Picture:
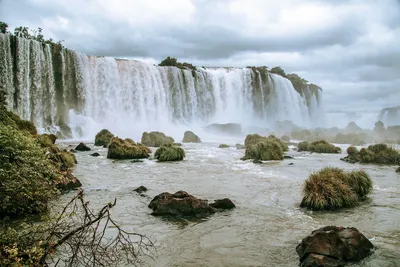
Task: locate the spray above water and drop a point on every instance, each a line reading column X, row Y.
column 59, row 88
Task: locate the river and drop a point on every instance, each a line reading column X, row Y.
column 267, row 223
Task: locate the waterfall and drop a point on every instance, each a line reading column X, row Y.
column 59, row 89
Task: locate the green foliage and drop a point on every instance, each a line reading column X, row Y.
column 283, row 145
column 46, row 140
column 303, row 146
column 264, row 149
column 3, row 27
column 252, row 139
column 298, row 83
column 320, row 146
column 333, row 188
column 169, row 152
column 25, row 174
column 173, row 62
column 352, row 150
column 156, row 139
column 103, row 137
column 190, row 137
column 380, row 154
column 126, row 149
column 223, row 146
column 278, row 70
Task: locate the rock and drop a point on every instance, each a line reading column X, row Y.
column 67, row 182
column 287, row 157
column 95, row 154
column 126, row 149
column 257, row 161
column 72, row 150
column 224, row 204
column 156, row 139
column 223, row 146
column 190, row 137
column 179, row 204
column 169, row 152
column 332, row 246
column 227, row 128
column 105, row 146
column 46, row 140
column 82, row 147
column 136, row 161
column 103, row 137
column 140, row 189
column 291, row 163
column 398, row 170
column 240, row 146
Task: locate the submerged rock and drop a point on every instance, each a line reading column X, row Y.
column 179, row 204
column 156, row 139
column 398, row 170
column 82, row 147
column 224, row 204
column 257, row 161
column 140, row 189
column 287, row 157
column 95, row 154
column 190, row 137
column 332, row 246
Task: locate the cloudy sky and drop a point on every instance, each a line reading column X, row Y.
column 350, row 48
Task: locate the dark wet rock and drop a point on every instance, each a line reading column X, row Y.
column 82, row 147
column 95, row 154
column 332, row 246
column 72, row 150
column 291, row 163
column 140, row 189
column 287, row 157
column 105, row 146
column 136, row 161
column 67, row 182
column 257, row 161
column 142, row 195
column 398, row 170
column 224, row 204
column 179, row 204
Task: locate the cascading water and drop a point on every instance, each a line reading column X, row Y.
column 56, row 88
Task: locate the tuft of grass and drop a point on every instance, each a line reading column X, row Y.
column 156, row 139
column 126, row 149
column 322, row 146
column 223, row 146
column 169, row 152
column 267, row 149
column 333, row 188
column 103, row 137
column 283, row 145
column 352, row 150
column 303, row 146
column 379, row 154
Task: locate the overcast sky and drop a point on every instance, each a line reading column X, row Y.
column 350, row 48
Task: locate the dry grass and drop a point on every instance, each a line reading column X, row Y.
column 169, row 152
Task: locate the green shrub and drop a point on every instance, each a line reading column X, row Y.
column 322, row 146
column 303, row 146
column 156, row 139
column 46, row 140
column 252, row 139
column 379, row 154
column 169, row 152
column 103, row 137
column 26, row 174
column 283, row 145
column 332, row 188
column 223, row 146
column 267, row 149
column 126, row 149
column 190, row 137
column 352, row 150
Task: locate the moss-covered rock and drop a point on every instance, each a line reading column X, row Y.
column 169, row 152
column 126, row 149
column 265, row 149
column 190, row 137
column 379, row 154
column 156, row 139
column 223, row 146
column 320, row 146
column 333, row 188
column 46, row 140
column 103, row 138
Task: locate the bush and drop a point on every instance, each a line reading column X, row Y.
column 283, row 145
column 322, row 146
column 26, row 174
column 223, row 146
column 156, row 139
column 352, row 150
column 103, row 137
column 379, row 154
column 332, row 188
column 303, row 146
column 267, row 149
column 169, row 152
column 126, row 149
column 190, row 137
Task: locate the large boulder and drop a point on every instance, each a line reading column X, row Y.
column 223, row 204
column 227, row 128
column 126, row 149
column 333, row 188
column 103, row 138
column 156, row 139
column 179, row 204
column 332, row 246
column 169, row 152
column 82, row 147
column 190, row 137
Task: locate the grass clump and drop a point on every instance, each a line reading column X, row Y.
column 126, row 149
column 283, row 145
column 333, row 188
column 190, row 137
column 267, row 149
column 103, row 137
column 156, row 139
column 378, row 154
column 223, row 146
column 320, row 146
column 169, row 152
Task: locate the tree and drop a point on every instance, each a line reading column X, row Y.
column 3, row 27
column 169, row 61
column 278, row 70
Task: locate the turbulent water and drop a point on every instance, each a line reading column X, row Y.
column 267, row 224
column 55, row 87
